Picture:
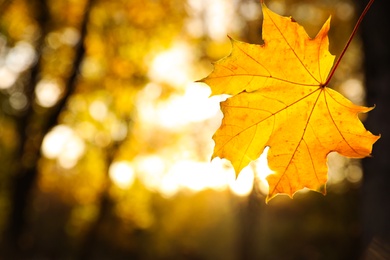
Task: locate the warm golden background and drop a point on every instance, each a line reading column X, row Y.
column 105, row 139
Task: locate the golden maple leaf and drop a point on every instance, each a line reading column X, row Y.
column 279, row 99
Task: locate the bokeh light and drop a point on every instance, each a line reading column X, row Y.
column 48, row 92
column 122, row 174
column 63, row 144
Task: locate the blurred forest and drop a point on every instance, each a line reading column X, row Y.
column 105, row 138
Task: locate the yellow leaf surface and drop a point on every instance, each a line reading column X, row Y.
column 278, row 99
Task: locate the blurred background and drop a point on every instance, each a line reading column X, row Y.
column 105, row 138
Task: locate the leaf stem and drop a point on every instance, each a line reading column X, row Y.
column 348, row 42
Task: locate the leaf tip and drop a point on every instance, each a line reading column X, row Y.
column 322, row 189
column 263, row 4
column 232, row 40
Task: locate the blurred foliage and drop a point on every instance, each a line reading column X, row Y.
column 75, row 101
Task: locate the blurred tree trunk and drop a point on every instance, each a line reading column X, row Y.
column 250, row 209
column 28, row 153
column 93, row 235
column 376, row 184
column 32, row 128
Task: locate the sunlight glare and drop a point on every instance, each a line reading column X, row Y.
column 243, row 185
column 150, row 170
column 198, row 176
column 172, row 66
column 215, row 18
column 178, row 110
column 262, row 171
column 169, row 178
column 168, row 186
column 122, row 174
column 194, row 106
column 188, row 174
column 219, row 19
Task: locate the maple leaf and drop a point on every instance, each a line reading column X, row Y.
column 279, row 99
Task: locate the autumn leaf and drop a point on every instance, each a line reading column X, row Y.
column 279, row 99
